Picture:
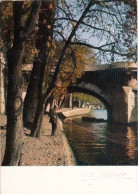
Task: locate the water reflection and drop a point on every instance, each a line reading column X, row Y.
column 131, row 143
column 102, row 144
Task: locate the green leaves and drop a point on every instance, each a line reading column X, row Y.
column 85, row 98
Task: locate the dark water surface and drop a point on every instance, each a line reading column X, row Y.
column 101, row 143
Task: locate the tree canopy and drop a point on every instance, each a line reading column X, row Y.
column 74, row 62
column 108, row 27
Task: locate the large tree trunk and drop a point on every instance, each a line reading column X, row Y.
column 14, row 94
column 15, row 55
column 31, row 98
column 14, row 107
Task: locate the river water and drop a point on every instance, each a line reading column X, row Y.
column 102, row 143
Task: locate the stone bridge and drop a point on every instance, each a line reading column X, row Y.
column 115, row 86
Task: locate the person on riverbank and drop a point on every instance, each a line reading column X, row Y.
column 53, row 120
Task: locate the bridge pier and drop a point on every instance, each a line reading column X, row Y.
column 115, row 88
column 124, row 107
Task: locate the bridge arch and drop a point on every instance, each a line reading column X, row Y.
column 77, row 89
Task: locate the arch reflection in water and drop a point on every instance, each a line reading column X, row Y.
column 101, row 143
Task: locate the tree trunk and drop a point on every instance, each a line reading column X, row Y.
column 15, row 55
column 38, row 121
column 31, row 98
column 43, row 44
column 14, row 107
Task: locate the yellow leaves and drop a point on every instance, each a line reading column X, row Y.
column 27, row 4
column 51, row 53
column 7, row 11
column 58, row 83
column 48, row 44
column 54, row 46
column 48, row 27
column 35, row 51
column 132, row 49
column 72, row 65
column 49, row 38
column 50, row 6
column 6, row 30
column 44, row 21
column 73, row 24
column 101, row 3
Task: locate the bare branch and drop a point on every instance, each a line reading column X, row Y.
column 101, row 48
column 32, row 18
column 60, row 35
column 88, row 25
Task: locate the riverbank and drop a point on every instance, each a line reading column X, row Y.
column 46, row 151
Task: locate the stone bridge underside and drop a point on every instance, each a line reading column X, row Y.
column 116, row 88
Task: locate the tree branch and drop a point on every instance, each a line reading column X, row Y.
column 60, row 35
column 64, row 11
column 88, row 25
column 101, row 49
column 30, row 24
column 17, row 9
